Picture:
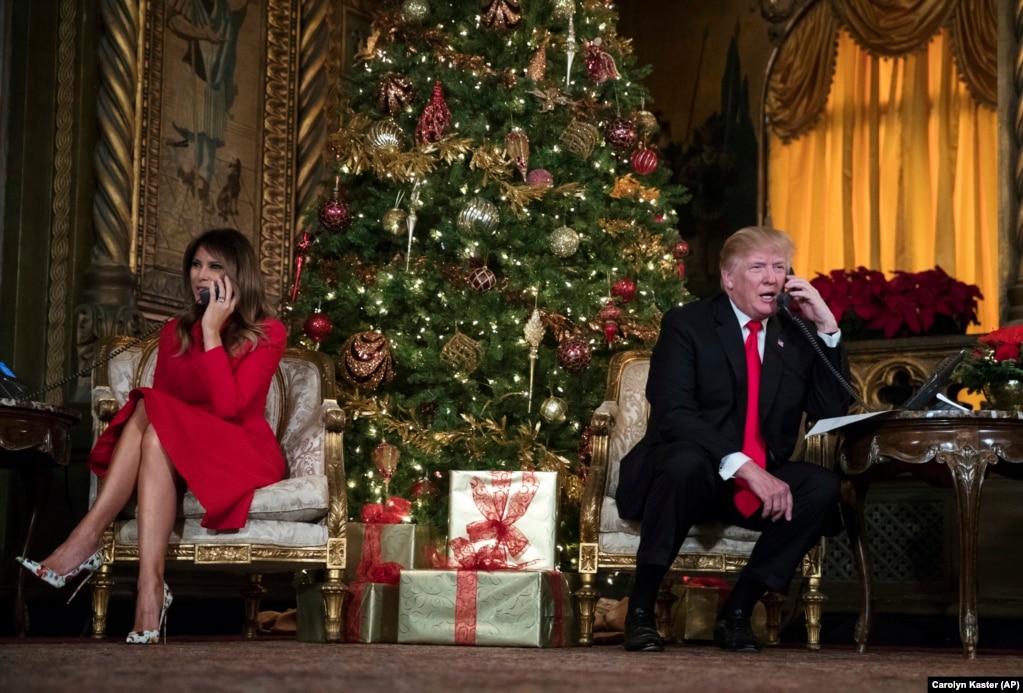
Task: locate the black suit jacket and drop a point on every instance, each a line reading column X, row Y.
column 697, row 391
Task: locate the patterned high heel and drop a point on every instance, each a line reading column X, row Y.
column 152, row 637
column 89, row 565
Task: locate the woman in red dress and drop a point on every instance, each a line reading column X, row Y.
column 200, row 425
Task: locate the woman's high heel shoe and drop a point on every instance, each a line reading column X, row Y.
column 89, row 565
column 151, row 637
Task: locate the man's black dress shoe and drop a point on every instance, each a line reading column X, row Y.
column 732, row 632
column 641, row 632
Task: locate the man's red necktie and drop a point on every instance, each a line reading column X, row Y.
column 753, row 445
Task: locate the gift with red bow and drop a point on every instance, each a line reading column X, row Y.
column 485, row 607
column 379, row 547
column 510, row 514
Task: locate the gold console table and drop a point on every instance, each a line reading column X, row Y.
column 949, row 448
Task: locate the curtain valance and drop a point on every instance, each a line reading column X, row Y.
column 797, row 89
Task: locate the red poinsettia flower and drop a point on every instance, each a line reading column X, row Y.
column 909, row 303
column 1006, row 352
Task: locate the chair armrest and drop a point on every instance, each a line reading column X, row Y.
column 601, row 425
column 334, row 422
column 104, row 406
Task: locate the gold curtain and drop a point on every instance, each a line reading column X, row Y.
column 897, row 167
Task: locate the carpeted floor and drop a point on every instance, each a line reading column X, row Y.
column 283, row 664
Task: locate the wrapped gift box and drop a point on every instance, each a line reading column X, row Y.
column 502, row 608
column 512, row 511
column 372, row 613
column 312, row 616
column 693, row 614
column 404, row 544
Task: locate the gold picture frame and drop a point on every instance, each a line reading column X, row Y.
column 356, row 30
column 217, row 133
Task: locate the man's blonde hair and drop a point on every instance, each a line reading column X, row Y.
column 752, row 239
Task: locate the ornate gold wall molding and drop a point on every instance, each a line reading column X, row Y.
column 118, row 69
column 319, row 73
column 60, row 232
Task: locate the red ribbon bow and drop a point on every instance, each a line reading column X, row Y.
column 393, row 511
column 501, row 510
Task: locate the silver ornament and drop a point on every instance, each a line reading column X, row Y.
column 415, row 10
column 385, row 135
column 554, row 409
column 478, row 215
column 394, row 221
column 564, row 241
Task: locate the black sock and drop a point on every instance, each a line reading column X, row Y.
column 645, row 586
column 744, row 596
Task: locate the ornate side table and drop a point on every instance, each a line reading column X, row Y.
column 34, row 438
column 956, row 449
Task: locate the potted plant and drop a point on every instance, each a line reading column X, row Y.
column 995, row 368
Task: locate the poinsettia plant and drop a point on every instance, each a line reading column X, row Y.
column 868, row 304
column 995, row 360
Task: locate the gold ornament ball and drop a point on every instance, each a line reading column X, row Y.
column 385, row 135
column 564, row 241
column 415, row 10
column 478, row 214
column 395, row 221
column 554, row 409
column 647, row 125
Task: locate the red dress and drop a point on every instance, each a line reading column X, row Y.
column 208, row 409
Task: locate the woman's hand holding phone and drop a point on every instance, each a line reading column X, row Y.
column 221, row 304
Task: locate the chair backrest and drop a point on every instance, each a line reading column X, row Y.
column 293, row 405
column 626, row 387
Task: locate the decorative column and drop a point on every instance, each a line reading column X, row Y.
column 108, row 301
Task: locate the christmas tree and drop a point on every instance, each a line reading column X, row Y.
column 497, row 225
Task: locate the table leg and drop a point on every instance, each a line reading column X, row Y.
column 854, row 493
column 968, row 467
column 35, row 480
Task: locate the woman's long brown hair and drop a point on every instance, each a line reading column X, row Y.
column 246, row 322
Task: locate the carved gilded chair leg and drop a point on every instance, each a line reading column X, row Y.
column 813, row 600
column 253, row 593
column 587, row 596
column 333, row 601
column 102, row 583
column 662, row 610
column 773, row 602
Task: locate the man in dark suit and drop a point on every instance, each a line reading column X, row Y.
column 706, row 438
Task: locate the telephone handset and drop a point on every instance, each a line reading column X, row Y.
column 785, row 306
column 204, row 295
column 917, row 401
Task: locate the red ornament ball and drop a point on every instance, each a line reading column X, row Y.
column 621, row 134
column 334, row 214
column 540, row 178
column 644, row 161
column 625, row 289
column 574, row 355
column 681, row 270
column 680, row 250
column 317, row 326
column 482, row 279
column 424, row 488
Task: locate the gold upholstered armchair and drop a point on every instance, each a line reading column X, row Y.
column 609, row 543
column 297, row 523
